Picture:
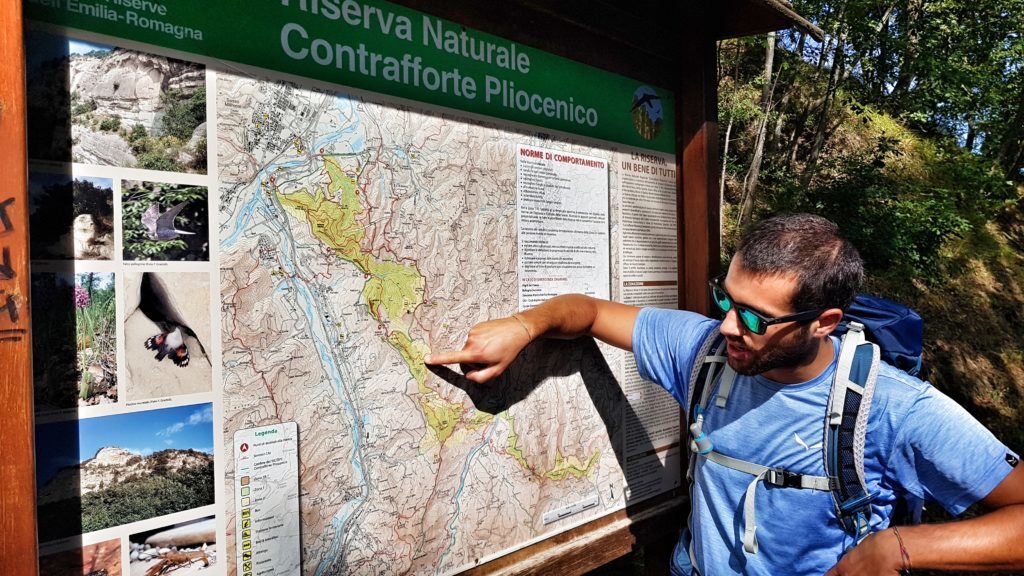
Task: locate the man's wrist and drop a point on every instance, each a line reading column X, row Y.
column 518, row 316
column 904, row 554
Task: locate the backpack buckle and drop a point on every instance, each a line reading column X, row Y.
column 783, row 478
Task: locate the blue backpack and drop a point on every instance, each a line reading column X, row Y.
column 897, row 329
column 895, row 333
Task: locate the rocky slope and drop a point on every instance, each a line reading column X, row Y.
column 121, row 84
column 112, row 465
column 128, row 84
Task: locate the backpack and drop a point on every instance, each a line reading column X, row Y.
column 897, row 331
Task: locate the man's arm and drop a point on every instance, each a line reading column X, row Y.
column 492, row 345
column 990, row 542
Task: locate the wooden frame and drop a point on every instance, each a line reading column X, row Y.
column 18, row 549
column 675, row 50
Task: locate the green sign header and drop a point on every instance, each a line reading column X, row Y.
column 386, row 48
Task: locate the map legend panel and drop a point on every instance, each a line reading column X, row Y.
column 267, row 500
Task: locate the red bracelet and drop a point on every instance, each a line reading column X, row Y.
column 903, row 553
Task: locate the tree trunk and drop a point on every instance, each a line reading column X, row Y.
column 911, row 15
column 776, row 134
column 721, row 180
column 882, row 70
column 972, row 132
column 1011, row 150
column 754, row 173
column 822, row 126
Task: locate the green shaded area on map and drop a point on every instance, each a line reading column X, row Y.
column 392, row 291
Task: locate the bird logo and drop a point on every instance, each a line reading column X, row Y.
column 160, row 226
column 647, row 112
column 806, row 447
column 645, row 100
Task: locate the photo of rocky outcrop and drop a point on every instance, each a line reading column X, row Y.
column 164, row 221
column 185, row 548
column 71, row 218
column 105, row 105
column 166, row 333
column 96, row 473
column 92, row 560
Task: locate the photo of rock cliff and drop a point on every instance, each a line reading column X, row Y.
column 71, row 217
column 109, row 106
column 96, row 473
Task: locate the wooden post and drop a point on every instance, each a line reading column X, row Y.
column 18, row 549
column 698, row 205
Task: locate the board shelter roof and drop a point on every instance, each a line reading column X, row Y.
column 642, row 39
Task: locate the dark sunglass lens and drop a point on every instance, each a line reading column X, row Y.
column 721, row 299
column 752, row 322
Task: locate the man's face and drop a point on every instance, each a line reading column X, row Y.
column 784, row 346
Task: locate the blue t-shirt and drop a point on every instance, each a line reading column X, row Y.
column 919, row 442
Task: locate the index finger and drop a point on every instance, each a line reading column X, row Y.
column 452, row 357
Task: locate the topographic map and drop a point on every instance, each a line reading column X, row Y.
column 355, row 237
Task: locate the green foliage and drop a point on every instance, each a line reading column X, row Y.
column 79, row 108
column 739, row 102
column 95, row 329
column 894, row 155
column 143, row 146
column 906, row 127
column 129, row 501
column 898, row 202
column 110, row 124
column 85, row 387
column 162, row 153
column 138, row 132
column 199, row 161
column 158, row 160
column 185, row 111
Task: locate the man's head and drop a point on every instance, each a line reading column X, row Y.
column 785, row 266
column 827, row 268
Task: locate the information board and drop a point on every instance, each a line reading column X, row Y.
column 245, row 255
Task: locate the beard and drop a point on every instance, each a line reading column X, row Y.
column 796, row 351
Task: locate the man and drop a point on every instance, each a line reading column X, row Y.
column 784, row 294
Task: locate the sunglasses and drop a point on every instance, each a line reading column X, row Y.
column 752, row 319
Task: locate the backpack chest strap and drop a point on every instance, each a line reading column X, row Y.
column 774, row 476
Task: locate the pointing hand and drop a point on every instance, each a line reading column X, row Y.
column 490, row 347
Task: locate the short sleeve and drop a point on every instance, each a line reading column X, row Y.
column 665, row 343
column 944, row 454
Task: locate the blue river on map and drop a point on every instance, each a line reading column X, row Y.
column 258, row 210
column 458, row 493
column 243, row 219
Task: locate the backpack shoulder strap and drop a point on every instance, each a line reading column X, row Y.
column 846, row 428
column 709, row 362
